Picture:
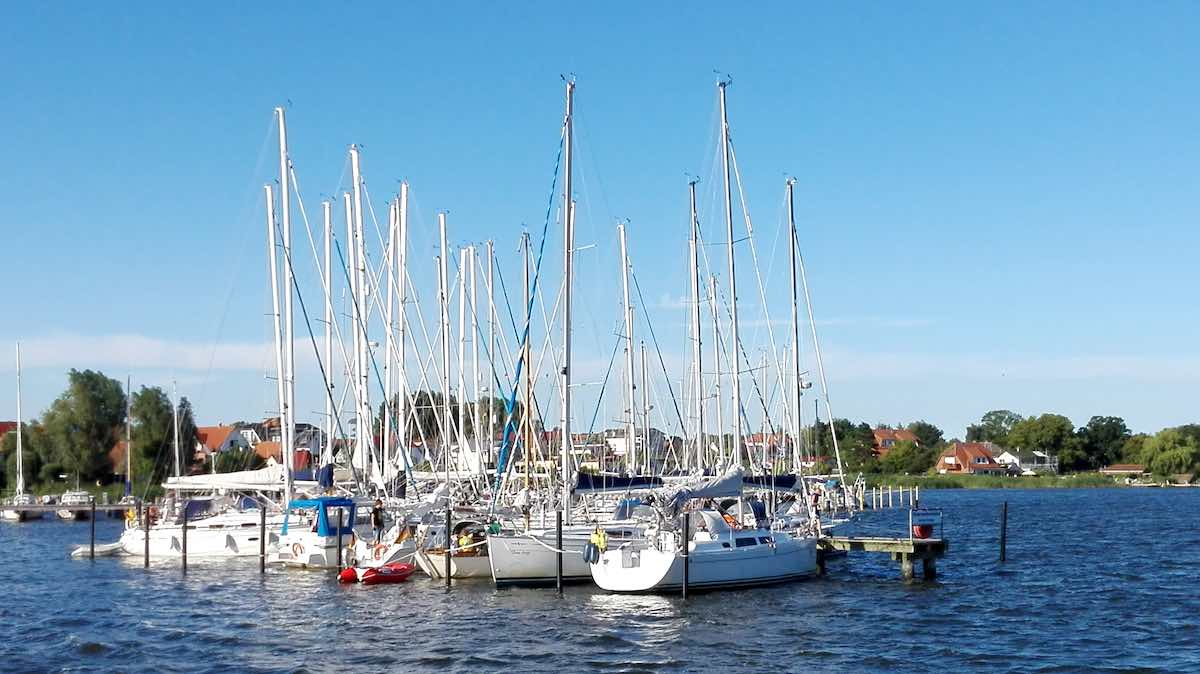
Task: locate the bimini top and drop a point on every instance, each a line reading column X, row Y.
column 322, row 505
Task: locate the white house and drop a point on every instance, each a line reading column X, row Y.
column 1027, row 461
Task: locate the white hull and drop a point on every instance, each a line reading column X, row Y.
column 309, row 552
column 433, row 563
column 518, row 559
column 225, row 535
column 637, row 567
column 18, row 515
column 72, row 515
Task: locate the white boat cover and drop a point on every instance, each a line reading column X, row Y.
column 269, row 478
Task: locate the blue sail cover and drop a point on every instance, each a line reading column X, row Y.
column 323, row 505
column 587, row 483
column 782, row 482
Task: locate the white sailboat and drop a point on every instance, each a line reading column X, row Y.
column 14, row 511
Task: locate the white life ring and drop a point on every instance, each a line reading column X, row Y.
column 379, row 550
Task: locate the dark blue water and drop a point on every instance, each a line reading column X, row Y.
column 1096, row 580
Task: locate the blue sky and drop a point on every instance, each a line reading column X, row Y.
column 998, row 204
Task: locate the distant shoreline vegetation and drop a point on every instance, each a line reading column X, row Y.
column 1073, row 481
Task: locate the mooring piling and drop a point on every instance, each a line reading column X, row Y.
column 341, row 522
column 92, row 545
column 1003, row 529
column 449, row 546
column 262, row 537
column 185, row 528
column 686, row 564
column 146, row 534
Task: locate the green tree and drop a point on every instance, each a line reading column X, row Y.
column 927, row 434
column 1171, row 450
column 30, row 454
column 1131, row 450
column 994, row 427
column 81, row 422
column 236, row 459
column 1053, row 434
column 1102, row 440
column 154, row 435
column 906, row 457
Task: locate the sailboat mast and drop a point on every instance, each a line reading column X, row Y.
column 175, row 424
column 716, row 317
column 479, row 455
column 491, row 349
column 464, row 259
column 363, row 437
column 352, row 366
column 390, row 260
column 128, row 434
column 279, row 370
column 568, row 255
column 444, row 301
column 697, row 352
column 287, row 421
column 797, row 383
column 327, row 216
column 21, row 432
column 631, row 461
column 527, row 414
column 645, row 454
column 735, row 346
column 403, row 394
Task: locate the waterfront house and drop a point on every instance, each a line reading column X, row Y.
column 968, row 458
column 215, row 439
column 1126, row 469
column 886, row 438
column 1025, row 461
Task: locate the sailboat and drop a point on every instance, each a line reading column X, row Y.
column 14, row 512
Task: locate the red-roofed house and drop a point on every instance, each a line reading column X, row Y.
column 886, row 438
column 968, row 458
column 7, row 427
column 214, row 439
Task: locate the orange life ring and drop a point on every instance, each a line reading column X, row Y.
column 379, row 550
column 297, row 550
column 729, row 519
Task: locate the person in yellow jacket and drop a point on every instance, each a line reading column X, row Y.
column 600, row 538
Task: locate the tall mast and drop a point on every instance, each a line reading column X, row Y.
column 568, row 255
column 327, row 213
column 390, row 261
column 479, row 455
column 736, row 345
column 128, row 431
column 175, row 424
column 630, row 389
column 491, row 349
column 287, row 415
column 20, row 432
column 363, row 437
column 464, row 259
column 645, row 469
column 716, row 316
column 527, row 352
column 352, row 366
column 697, row 353
column 403, row 394
column 279, row 369
column 444, row 301
column 797, row 384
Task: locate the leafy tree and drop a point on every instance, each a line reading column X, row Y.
column 1053, row 434
column 30, row 454
column 80, row 424
column 1131, row 449
column 906, row 457
column 1171, row 450
column 927, row 434
column 235, row 460
column 154, row 435
column 1103, row 439
column 994, row 427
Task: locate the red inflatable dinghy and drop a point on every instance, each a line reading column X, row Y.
column 388, row 573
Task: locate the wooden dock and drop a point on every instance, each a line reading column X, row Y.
column 904, row 550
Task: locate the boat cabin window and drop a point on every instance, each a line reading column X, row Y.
column 745, row 542
column 764, row 540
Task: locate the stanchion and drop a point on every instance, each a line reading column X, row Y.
column 262, row 537
column 146, row 534
column 185, row 528
column 558, row 554
column 449, row 545
column 686, row 564
column 92, row 546
column 1003, row 529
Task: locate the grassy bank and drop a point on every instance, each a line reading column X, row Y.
column 1076, row 480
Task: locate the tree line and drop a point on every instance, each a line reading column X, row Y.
column 74, row 436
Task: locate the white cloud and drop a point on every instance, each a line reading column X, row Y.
column 137, row 352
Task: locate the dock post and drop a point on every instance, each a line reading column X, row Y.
column 146, row 534
column 906, row 566
column 185, row 528
column 558, row 585
column 262, row 537
column 341, row 521
column 686, row 564
column 890, row 496
column 1003, row 529
column 917, row 494
column 92, row 546
column 449, row 544
column 929, row 568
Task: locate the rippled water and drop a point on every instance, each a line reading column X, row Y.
column 1095, row 579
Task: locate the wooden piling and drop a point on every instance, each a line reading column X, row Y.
column 558, row 582
column 92, row 545
column 262, row 537
column 449, row 545
column 185, row 528
column 686, row 563
column 890, row 502
column 146, row 533
column 341, row 521
column 1003, row 529
column 917, row 495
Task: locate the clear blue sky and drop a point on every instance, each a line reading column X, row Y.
column 999, row 204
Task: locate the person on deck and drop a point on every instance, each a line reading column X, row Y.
column 377, row 520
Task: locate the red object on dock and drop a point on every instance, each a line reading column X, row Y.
column 388, row 573
column 922, row 530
